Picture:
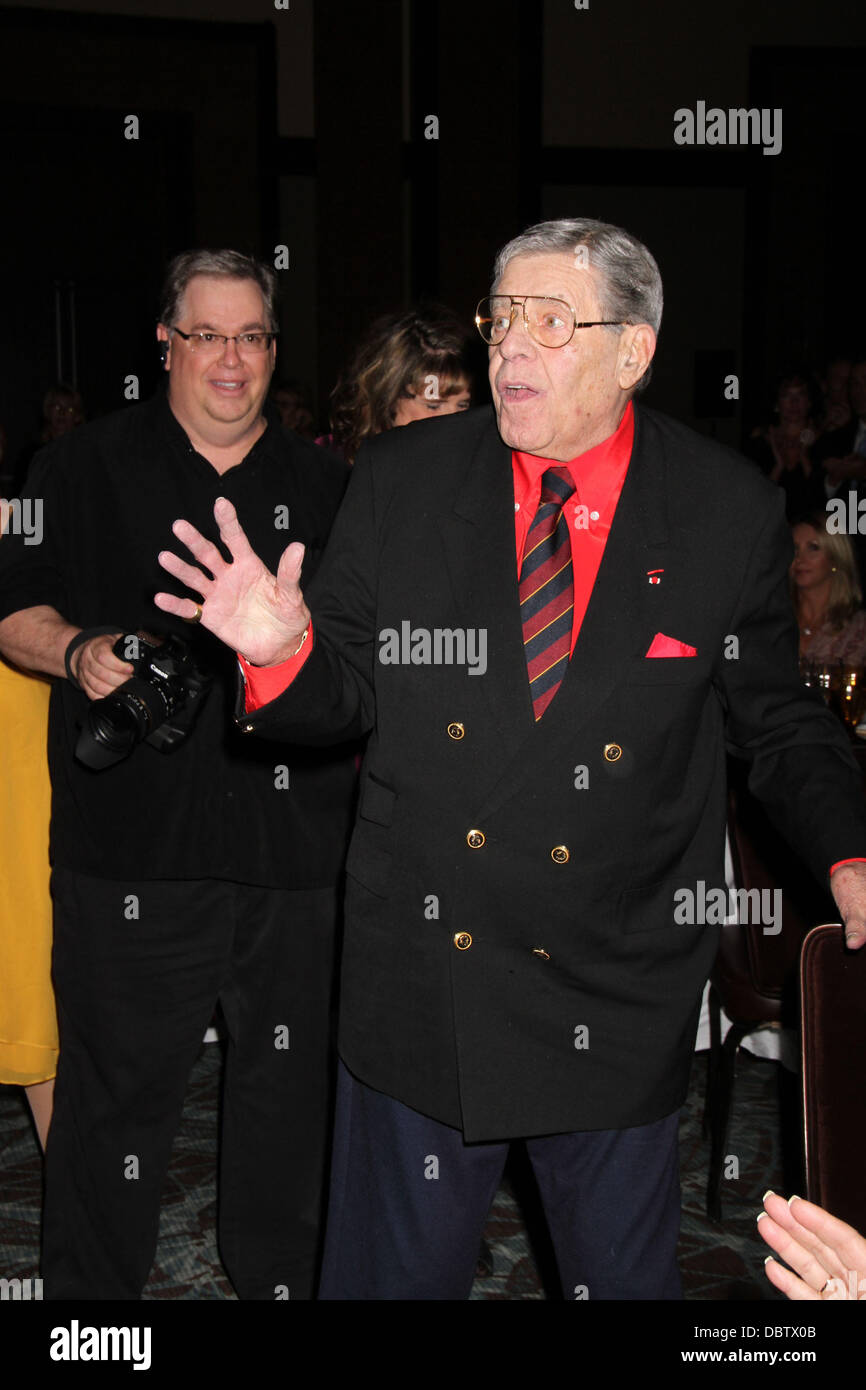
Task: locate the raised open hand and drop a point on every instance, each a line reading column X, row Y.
column 261, row 615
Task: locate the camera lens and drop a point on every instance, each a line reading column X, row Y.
column 115, row 724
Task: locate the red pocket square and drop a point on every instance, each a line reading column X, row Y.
column 669, row 646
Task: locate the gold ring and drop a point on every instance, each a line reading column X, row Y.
column 196, row 617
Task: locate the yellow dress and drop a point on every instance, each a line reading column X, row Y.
column 28, row 1024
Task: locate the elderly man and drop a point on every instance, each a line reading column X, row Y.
column 185, row 877
column 537, row 863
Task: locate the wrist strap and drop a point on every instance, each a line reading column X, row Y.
column 78, row 640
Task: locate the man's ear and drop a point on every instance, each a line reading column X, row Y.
column 164, row 346
column 637, row 348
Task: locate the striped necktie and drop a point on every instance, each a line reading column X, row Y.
column 546, row 589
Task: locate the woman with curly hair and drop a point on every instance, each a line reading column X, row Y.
column 408, row 366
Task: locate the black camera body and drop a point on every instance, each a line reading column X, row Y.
column 157, row 705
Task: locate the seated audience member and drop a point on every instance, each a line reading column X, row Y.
column 827, row 595
column 827, row 1257
column 783, row 450
column 842, row 452
column 294, row 402
column 409, row 366
column 834, row 382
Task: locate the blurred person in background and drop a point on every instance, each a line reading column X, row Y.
column 294, row 401
column 408, row 366
column 782, row 450
column 827, row 595
column 62, row 412
column 842, row 451
column 834, row 383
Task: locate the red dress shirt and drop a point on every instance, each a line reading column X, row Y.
column 598, row 477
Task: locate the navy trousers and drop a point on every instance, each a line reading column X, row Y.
column 409, row 1199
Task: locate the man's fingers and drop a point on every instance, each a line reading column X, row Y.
column 204, row 550
column 232, row 533
column 179, row 607
column 187, row 574
column 289, row 569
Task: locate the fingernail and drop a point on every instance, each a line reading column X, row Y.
column 769, row 1193
column 767, row 1259
column 794, row 1198
column 761, row 1214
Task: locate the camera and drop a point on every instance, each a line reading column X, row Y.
column 157, row 705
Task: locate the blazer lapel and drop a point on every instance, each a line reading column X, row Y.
column 478, row 537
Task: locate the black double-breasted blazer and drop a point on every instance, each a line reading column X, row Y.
column 515, row 962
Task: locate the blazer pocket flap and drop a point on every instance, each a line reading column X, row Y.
column 666, row 670
column 377, row 802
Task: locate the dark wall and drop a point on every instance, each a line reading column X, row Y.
column 90, row 216
column 541, row 110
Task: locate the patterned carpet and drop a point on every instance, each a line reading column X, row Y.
column 718, row 1262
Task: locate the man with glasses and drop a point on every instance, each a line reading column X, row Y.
column 185, row 878
column 527, row 934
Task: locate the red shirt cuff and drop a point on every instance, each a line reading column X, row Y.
column 834, row 867
column 265, row 683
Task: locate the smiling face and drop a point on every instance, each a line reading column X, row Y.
column 811, row 566
column 420, row 406
column 218, row 397
column 559, row 402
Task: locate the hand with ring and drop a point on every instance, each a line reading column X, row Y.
column 827, row 1258
column 261, row 615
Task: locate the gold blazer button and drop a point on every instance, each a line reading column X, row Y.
column 462, row 940
column 612, row 752
column 560, row 854
column 456, row 730
column 475, row 839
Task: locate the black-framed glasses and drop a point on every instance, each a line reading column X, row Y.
column 550, row 322
column 215, row 344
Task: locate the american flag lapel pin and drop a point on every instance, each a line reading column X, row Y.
column 654, row 576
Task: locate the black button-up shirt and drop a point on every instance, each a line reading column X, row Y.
column 223, row 804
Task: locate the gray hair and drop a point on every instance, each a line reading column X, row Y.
column 630, row 285
column 231, row 265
